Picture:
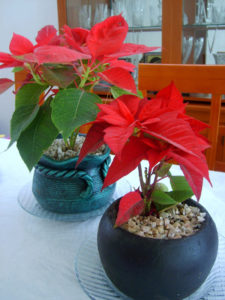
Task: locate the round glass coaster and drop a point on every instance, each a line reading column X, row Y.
column 28, row 202
column 97, row 285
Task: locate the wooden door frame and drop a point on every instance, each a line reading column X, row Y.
column 62, row 15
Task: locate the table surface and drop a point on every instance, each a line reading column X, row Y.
column 37, row 256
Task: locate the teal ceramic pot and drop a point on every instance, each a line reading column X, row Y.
column 59, row 187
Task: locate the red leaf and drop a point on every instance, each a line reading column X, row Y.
column 116, row 137
column 194, row 169
column 195, row 124
column 93, row 141
column 5, row 83
column 119, row 77
column 172, row 98
column 6, row 58
column 122, row 64
column 75, row 37
column 174, row 131
column 132, row 102
column 151, row 109
column 107, row 37
column 20, row 45
column 111, row 114
column 125, row 112
column 195, row 181
column 155, row 156
column 57, row 54
column 131, row 49
column 131, row 155
column 45, row 35
column 8, row 61
column 130, row 205
column 80, row 35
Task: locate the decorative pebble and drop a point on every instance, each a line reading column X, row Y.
column 59, row 151
column 175, row 223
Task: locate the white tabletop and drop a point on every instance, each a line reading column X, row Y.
column 37, row 256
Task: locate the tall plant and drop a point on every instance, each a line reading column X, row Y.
column 157, row 131
column 62, row 69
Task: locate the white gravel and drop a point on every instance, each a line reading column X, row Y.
column 59, row 151
column 175, row 223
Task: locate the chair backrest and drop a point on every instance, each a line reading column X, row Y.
column 206, row 79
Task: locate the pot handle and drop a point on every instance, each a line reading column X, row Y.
column 89, row 182
column 69, row 174
column 105, row 167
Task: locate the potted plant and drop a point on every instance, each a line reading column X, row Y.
column 154, row 242
column 57, row 97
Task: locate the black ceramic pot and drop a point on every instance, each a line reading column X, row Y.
column 144, row 268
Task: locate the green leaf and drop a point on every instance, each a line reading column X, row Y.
column 117, row 92
column 162, row 198
column 37, row 137
column 72, row 108
column 140, row 94
column 59, row 76
column 179, row 183
column 17, row 69
column 26, row 109
column 163, row 171
column 181, row 195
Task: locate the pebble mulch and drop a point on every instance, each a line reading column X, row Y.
column 180, row 221
column 59, row 151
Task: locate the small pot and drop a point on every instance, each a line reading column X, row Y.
column 59, row 187
column 146, row 268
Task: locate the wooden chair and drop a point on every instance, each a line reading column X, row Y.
column 207, row 79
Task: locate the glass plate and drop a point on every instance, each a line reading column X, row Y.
column 97, row 286
column 28, row 202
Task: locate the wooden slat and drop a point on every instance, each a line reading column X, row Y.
column 19, row 78
column 214, row 129
column 192, row 78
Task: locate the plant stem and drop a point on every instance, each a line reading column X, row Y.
column 141, row 178
column 74, row 137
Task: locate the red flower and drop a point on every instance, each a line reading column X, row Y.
column 152, row 130
column 19, row 45
column 105, row 43
column 107, row 37
column 49, row 49
column 5, row 84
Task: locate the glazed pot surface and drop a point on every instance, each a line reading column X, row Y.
column 145, row 268
column 60, row 188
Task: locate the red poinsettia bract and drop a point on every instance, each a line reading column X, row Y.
column 154, row 130
column 105, row 44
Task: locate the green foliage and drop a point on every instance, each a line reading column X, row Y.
column 164, row 170
column 26, row 109
column 38, row 136
column 179, row 183
column 17, row 69
column 181, row 191
column 163, row 198
column 72, row 108
column 61, row 76
column 117, row 92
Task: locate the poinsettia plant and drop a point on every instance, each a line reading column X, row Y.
column 61, row 71
column 157, row 131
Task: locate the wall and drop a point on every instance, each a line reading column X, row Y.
column 24, row 17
